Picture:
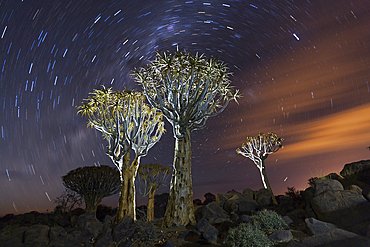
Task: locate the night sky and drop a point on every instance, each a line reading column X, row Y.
column 302, row 66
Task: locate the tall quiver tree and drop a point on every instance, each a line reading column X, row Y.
column 127, row 123
column 188, row 90
column 152, row 178
column 93, row 183
column 257, row 148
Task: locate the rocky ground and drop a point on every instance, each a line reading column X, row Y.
column 334, row 211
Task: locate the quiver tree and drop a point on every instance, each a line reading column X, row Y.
column 93, row 183
column 257, row 148
column 187, row 90
column 152, row 178
column 127, row 123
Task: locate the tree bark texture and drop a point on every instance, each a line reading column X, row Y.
column 150, row 209
column 126, row 201
column 180, row 207
column 265, row 178
column 92, row 203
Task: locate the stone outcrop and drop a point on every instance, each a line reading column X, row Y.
column 347, row 209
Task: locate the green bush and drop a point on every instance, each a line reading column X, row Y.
column 268, row 221
column 246, row 235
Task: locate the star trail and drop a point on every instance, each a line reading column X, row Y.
column 303, row 68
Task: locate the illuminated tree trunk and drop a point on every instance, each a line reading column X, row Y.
column 150, row 209
column 180, row 208
column 127, row 200
column 266, row 182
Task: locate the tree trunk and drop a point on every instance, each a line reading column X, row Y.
column 150, row 209
column 91, row 203
column 180, row 207
column 267, row 183
column 122, row 205
column 127, row 200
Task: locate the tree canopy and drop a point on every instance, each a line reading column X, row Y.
column 93, row 183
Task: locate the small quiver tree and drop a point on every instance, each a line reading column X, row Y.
column 257, row 148
column 127, row 123
column 152, row 178
column 188, row 90
column 93, row 183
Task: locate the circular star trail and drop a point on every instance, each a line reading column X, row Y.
column 302, row 67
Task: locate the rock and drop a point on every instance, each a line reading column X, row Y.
column 170, row 243
column 56, row 232
column 106, row 240
column 263, row 197
column 297, row 215
column 74, row 238
column 61, row 221
column 285, row 204
column 281, row 236
column 317, row 227
column 209, row 197
column 336, row 200
column 338, row 238
column 250, row 193
column 211, row 212
column 243, row 219
column 359, row 170
column 287, row 220
column 322, row 185
column 366, row 193
column 90, row 225
column 209, row 232
column 240, row 203
column 307, row 194
column 355, row 188
column 36, row 235
column 221, row 199
column 190, row 235
column 124, row 229
column 224, row 227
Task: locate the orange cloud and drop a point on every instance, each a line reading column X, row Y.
column 338, row 132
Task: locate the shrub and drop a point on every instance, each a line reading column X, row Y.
column 268, row 221
column 246, row 235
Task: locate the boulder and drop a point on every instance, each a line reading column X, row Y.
column 240, row 203
column 36, row 235
column 249, row 192
column 366, row 193
column 322, row 185
column 263, row 197
column 209, row 232
column 281, row 236
column 355, row 188
column 106, row 240
column 317, row 227
column 209, row 197
column 56, row 232
column 74, row 238
column 285, row 204
column 124, row 230
column 338, row 238
column 222, row 198
column 90, row 225
column 359, row 170
column 287, row 220
column 347, row 209
column 336, row 200
column 297, row 215
column 211, row 212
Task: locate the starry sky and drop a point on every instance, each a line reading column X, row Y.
column 303, row 67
